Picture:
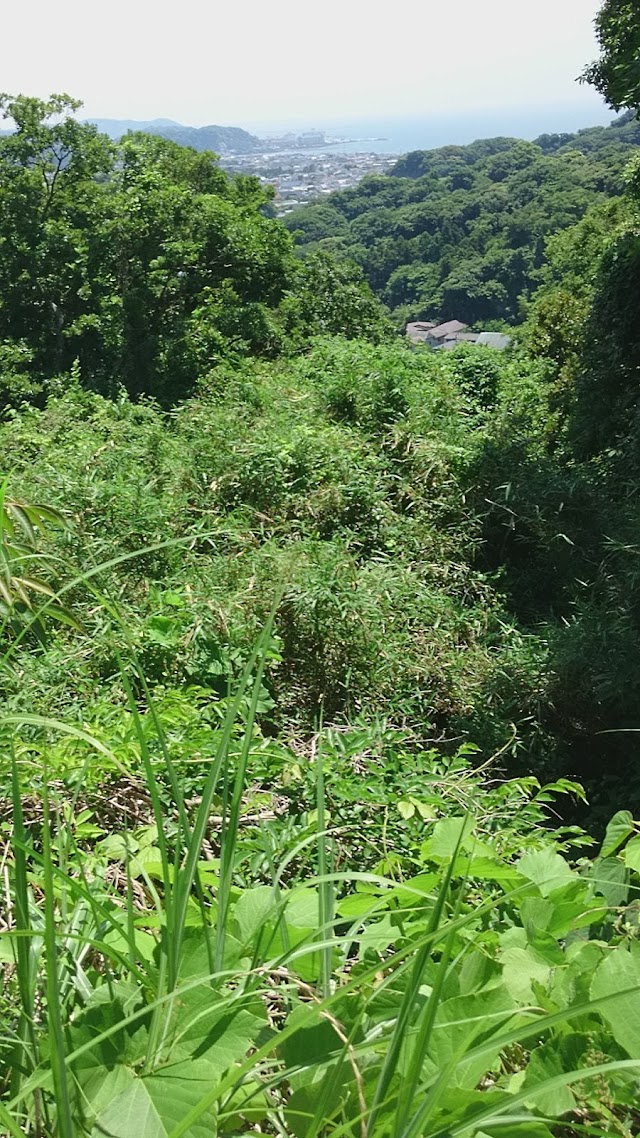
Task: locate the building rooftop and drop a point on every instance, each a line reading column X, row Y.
column 453, row 332
column 441, row 331
column 418, row 329
column 494, row 340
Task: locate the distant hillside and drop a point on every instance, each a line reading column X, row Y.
column 221, row 139
column 460, row 231
column 601, row 142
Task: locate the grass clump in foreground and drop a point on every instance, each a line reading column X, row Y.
column 348, row 940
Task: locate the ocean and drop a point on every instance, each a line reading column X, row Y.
column 400, row 135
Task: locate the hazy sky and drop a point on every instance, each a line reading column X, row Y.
column 244, row 62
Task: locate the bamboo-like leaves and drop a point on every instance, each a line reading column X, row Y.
column 25, row 599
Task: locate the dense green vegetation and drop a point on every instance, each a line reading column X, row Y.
column 460, row 232
column 318, row 655
column 616, row 74
column 143, row 264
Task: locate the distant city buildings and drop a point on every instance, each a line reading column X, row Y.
column 299, row 178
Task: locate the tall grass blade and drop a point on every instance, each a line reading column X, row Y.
column 422, row 1039
column 158, row 817
column 325, row 889
column 184, row 882
column 229, row 829
column 11, row 1125
column 409, row 1000
column 25, row 967
column 54, row 1019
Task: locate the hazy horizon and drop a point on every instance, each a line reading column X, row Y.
column 560, row 116
column 593, row 112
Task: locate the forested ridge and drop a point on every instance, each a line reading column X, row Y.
column 461, row 231
column 320, row 769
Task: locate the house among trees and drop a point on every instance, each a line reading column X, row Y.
column 452, row 333
column 417, row 331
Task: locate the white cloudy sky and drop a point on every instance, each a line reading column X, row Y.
column 249, row 61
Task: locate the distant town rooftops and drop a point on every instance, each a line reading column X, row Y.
column 451, row 333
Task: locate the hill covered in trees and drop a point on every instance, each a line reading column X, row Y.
column 218, row 139
column 461, row 231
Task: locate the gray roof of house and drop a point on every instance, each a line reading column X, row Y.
column 441, row 331
column 494, row 340
column 417, row 330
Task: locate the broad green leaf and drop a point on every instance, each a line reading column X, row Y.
column 248, row 1104
column 478, row 971
column 7, row 948
column 107, row 1008
column 447, row 833
column 573, row 909
column 550, row 1060
column 546, row 868
column 130, row 1114
column 520, row 968
column 357, row 904
column 611, row 880
column 101, row 1087
column 461, row 1107
column 317, row 1079
column 146, row 944
column 406, row 809
column 295, row 937
column 619, row 829
column 491, row 869
column 302, row 908
column 571, row 984
column 546, row 947
column 252, row 909
column 163, row 630
column 462, row 1021
column 426, row 811
column 536, row 914
column 154, row 1105
column 195, row 955
column 330, row 1092
column 313, row 1043
column 377, row 935
column 620, row 972
column 203, row 1025
column 565, row 910
column 413, row 891
column 632, row 855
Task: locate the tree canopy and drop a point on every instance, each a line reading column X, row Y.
column 143, row 263
column 616, row 74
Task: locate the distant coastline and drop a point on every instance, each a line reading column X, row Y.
column 377, row 136
column 427, row 132
column 383, row 136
